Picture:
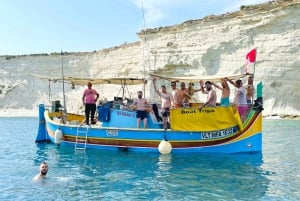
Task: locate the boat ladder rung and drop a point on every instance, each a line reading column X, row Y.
column 81, row 140
column 82, row 148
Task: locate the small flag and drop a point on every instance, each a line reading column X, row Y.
column 251, row 58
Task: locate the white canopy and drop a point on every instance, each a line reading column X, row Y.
column 84, row 81
column 198, row 78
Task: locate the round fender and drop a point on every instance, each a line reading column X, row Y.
column 58, row 136
column 164, row 147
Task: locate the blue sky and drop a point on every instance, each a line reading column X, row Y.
column 45, row 26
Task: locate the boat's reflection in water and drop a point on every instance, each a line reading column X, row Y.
column 210, row 175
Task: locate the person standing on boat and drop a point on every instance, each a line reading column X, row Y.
column 89, row 99
column 43, row 171
column 211, row 95
column 240, row 98
column 166, row 100
column 250, row 91
column 184, row 96
column 225, row 92
column 175, row 95
column 141, row 113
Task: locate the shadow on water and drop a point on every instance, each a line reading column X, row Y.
column 41, row 153
column 129, row 175
column 214, row 175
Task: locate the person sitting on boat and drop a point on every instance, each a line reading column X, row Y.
column 175, row 95
column 184, row 96
column 43, row 171
column 141, row 105
column 225, row 92
column 89, row 99
column 211, row 95
column 240, row 98
column 166, row 100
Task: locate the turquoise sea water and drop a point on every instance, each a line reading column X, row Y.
column 105, row 175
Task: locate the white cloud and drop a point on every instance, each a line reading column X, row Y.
column 236, row 4
column 156, row 11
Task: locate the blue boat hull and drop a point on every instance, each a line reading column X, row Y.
column 249, row 139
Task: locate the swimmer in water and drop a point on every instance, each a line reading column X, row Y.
column 43, row 171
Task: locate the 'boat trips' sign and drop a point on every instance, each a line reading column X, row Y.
column 208, row 119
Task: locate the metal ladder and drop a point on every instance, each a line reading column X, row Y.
column 81, row 141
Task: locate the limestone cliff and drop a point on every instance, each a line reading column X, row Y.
column 214, row 45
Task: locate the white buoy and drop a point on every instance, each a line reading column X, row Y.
column 164, row 147
column 58, row 136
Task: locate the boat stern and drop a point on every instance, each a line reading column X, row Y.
column 42, row 135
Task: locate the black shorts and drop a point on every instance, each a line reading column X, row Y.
column 141, row 114
column 166, row 113
column 185, row 105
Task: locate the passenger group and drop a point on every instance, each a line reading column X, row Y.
column 181, row 98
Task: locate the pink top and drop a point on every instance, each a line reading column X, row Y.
column 90, row 96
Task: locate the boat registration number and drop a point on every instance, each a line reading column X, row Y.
column 112, row 133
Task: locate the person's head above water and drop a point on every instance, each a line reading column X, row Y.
column 43, row 171
column 43, row 168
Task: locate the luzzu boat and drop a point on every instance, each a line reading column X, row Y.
column 211, row 130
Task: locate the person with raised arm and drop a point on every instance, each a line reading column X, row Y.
column 184, row 96
column 240, row 97
column 225, row 92
column 166, row 102
column 211, row 95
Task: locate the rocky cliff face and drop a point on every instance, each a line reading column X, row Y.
column 214, row 45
